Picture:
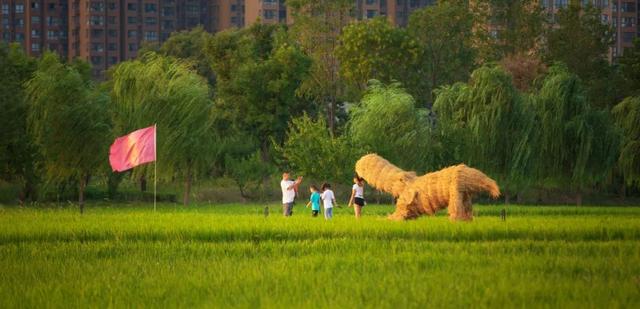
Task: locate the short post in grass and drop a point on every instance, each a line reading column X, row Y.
column 503, row 214
column 266, row 211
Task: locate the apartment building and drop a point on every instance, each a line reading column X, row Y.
column 105, row 32
column 276, row 11
column 622, row 15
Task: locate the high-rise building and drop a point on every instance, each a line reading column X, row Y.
column 105, row 32
column 265, row 11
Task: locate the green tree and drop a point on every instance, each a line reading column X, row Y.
column 444, row 37
column 312, row 150
column 581, row 41
column 165, row 91
column 630, row 67
column 577, row 146
column 318, row 24
column 387, row 122
column 489, row 125
column 190, row 46
column 16, row 149
column 258, row 75
column 68, row 121
column 247, row 172
column 375, row 49
column 627, row 116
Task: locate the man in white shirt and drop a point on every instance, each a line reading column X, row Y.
column 289, row 189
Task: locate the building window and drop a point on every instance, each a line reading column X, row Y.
column 111, row 46
column 52, row 35
column 5, row 23
column 150, row 20
column 35, row 20
column 132, row 7
column 628, row 7
column 53, row 21
column 20, row 22
column 371, row 13
column 269, row 14
column 97, row 33
column 234, row 8
column 96, row 20
column 133, row 47
column 561, row 3
column 167, row 11
column 132, row 20
column 97, row 47
column 150, row 36
column 52, row 6
column 96, row 60
column 132, row 33
column 193, row 9
column 97, row 6
column 35, row 5
column 5, row 9
column 149, row 7
column 628, row 22
column 35, row 33
column 167, row 25
column 113, row 33
column 371, row 2
column 113, row 60
column 35, row 47
column 282, row 15
column 19, row 8
column 627, row 37
column 112, row 5
column 111, row 20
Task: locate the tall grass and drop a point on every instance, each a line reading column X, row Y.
column 233, row 256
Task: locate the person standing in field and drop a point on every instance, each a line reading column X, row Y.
column 357, row 196
column 329, row 200
column 289, row 190
column 314, row 201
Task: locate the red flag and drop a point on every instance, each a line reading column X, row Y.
column 131, row 150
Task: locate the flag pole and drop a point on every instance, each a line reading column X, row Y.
column 155, row 165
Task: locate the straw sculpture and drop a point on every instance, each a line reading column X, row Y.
column 451, row 188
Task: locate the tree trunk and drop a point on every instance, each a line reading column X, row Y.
column 507, row 198
column 579, row 198
column 187, row 187
column 83, row 185
column 623, row 191
column 143, row 183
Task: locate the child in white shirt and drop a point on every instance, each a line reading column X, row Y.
column 329, row 200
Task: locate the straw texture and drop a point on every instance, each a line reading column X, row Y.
column 451, row 188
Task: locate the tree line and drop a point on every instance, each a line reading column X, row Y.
column 529, row 98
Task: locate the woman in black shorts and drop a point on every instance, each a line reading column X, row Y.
column 357, row 195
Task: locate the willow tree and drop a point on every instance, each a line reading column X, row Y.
column 627, row 116
column 68, row 122
column 578, row 146
column 387, row 122
column 488, row 126
column 167, row 92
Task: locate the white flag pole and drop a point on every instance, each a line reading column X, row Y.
column 155, row 165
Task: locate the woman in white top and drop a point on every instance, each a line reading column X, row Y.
column 357, row 195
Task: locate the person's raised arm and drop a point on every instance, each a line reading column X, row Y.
column 295, row 184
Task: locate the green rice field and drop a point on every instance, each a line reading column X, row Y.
column 219, row 256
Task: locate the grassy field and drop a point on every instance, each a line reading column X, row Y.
column 232, row 256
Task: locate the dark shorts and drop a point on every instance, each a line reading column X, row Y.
column 314, row 213
column 359, row 201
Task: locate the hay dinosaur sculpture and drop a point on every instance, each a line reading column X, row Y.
column 452, row 188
